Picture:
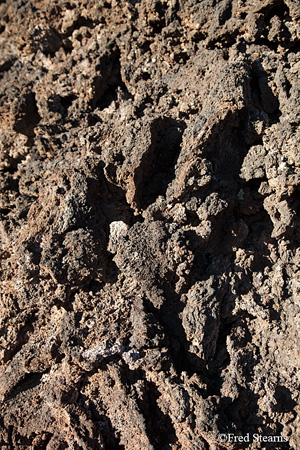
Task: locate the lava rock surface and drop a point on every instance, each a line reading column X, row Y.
column 150, row 262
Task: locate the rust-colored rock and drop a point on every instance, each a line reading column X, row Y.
column 150, row 263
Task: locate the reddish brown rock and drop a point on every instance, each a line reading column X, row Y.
column 149, row 260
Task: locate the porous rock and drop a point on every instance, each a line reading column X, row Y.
column 150, row 269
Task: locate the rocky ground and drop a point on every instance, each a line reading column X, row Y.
column 150, row 269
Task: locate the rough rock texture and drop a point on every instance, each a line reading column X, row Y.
column 150, row 269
